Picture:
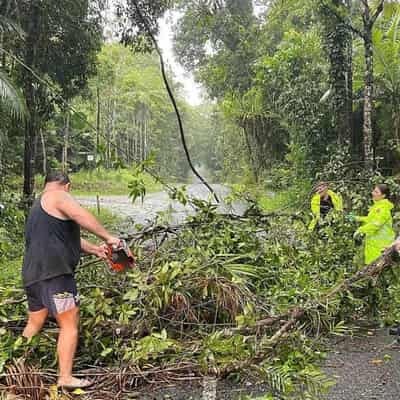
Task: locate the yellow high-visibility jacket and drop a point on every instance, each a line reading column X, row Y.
column 316, row 203
column 378, row 229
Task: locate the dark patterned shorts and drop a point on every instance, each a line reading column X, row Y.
column 58, row 295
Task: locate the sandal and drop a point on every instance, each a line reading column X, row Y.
column 76, row 384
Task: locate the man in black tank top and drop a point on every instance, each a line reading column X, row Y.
column 52, row 250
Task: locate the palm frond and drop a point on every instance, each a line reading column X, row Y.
column 11, row 99
column 8, row 25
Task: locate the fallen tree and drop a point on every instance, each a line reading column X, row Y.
column 217, row 296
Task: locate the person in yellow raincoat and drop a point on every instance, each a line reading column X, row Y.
column 377, row 226
column 323, row 201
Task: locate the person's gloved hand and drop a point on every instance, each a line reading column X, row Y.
column 350, row 217
column 396, row 251
column 394, row 331
column 358, row 238
column 396, row 256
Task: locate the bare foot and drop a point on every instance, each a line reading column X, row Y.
column 74, row 383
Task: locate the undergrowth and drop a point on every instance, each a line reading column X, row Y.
column 199, row 294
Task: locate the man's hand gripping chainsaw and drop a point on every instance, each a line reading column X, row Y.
column 120, row 257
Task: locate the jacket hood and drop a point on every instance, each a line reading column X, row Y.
column 384, row 203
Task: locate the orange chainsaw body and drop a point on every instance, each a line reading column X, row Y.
column 120, row 257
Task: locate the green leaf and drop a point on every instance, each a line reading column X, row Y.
column 11, row 98
column 106, row 352
column 78, row 392
column 131, row 295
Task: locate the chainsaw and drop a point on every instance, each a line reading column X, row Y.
column 120, row 257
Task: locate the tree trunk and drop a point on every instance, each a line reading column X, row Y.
column 250, row 150
column 140, row 141
column 107, row 135
column 368, row 90
column 32, row 41
column 127, row 147
column 368, row 23
column 396, row 125
column 66, row 142
column 348, row 109
column 145, row 139
column 137, row 142
column 98, row 127
column 113, row 132
column 2, row 148
column 142, row 138
column 134, row 142
column 44, row 154
column 338, row 42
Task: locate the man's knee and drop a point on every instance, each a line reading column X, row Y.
column 69, row 320
column 36, row 320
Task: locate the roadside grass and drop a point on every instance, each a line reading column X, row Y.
column 275, row 201
column 267, row 199
column 108, row 219
column 10, row 276
column 104, row 182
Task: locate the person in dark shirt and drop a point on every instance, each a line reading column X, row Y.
column 325, row 205
column 323, row 201
column 52, row 251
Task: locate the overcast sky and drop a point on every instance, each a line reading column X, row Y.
column 192, row 91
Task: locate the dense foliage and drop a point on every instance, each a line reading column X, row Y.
column 196, row 301
column 96, row 104
column 300, row 91
column 136, row 119
column 294, row 77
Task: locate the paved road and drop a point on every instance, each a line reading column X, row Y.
column 365, row 367
column 158, row 204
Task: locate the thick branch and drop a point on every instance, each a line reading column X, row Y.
column 289, row 320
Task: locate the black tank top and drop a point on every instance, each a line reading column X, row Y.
column 52, row 246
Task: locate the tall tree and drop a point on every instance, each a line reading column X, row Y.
column 11, row 99
column 216, row 42
column 51, row 66
column 369, row 16
column 33, row 37
column 339, row 47
column 387, row 67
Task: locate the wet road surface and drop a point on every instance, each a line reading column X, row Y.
column 159, row 205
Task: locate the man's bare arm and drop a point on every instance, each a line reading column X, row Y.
column 73, row 210
column 87, row 247
column 90, row 248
